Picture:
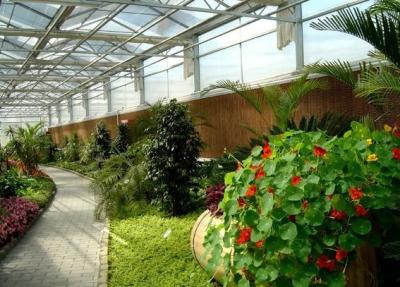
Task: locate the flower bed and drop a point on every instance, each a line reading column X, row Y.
column 16, row 216
column 298, row 208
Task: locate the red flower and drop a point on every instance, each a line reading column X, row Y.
column 260, row 173
column 304, row 204
column 324, row 262
column 251, row 190
column 360, row 210
column 340, row 254
column 270, row 190
column 319, row 151
column 396, row 153
column 355, row 193
column 292, row 218
column 267, row 151
column 338, row 215
column 241, row 202
column 260, row 243
column 244, row 235
column 295, row 180
column 396, row 133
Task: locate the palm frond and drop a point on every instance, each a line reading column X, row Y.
column 389, row 7
column 340, row 70
column 377, row 85
column 245, row 91
column 378, row 29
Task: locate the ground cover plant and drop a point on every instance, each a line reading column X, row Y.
column 297, row 208
column 153, row 250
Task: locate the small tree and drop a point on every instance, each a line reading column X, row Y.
column 102, row 141
column 121, row 141
column 172, row 155
column 71, row 150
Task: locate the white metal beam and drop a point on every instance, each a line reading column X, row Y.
column 62, row 34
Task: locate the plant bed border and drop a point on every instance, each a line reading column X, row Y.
column 10, row 245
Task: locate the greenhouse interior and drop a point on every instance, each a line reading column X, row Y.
column 190, row 143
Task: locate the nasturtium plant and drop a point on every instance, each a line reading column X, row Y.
column 295, row 211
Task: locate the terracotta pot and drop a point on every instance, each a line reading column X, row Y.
column 361, row 273
column 199, row 232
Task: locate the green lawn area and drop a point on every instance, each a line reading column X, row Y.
column 139, row 255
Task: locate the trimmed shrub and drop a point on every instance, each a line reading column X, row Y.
column 171, row 157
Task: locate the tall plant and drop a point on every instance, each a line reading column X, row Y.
column 282, row 101
column 72, row 149
column 172, row 155
column 101, row 141
column 121, row 141
column 27, row 145
column 379, row 26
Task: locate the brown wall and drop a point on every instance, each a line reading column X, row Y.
column 227, row 114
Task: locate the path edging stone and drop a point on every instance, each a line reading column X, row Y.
column 102, row 277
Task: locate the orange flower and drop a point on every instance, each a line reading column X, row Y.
column 355, row 193
column 251, row 190
column 340, row 254
column 319, row 151
column 244, row 235
column 267, row 151
column 396, row 153
column 295, row 180
column 260, row 243
column 241, row 202
column 338, row 215
column 360, row 210
column 260, row 173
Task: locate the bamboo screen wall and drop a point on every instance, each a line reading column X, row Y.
column 229, row 113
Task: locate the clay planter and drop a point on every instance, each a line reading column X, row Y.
column 362, row 272
column 199, row 231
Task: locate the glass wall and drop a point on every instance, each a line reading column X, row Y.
column 243, row 50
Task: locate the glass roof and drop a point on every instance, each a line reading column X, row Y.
column 52, row 50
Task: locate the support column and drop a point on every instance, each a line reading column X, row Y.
column 85, row 102
column 58, row 112
column 49, row 115
column 70, row 109
column 299, row 38
column 196, row 58
column 107, row 93
column 139, row 82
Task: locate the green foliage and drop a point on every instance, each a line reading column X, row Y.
column 171, row 157
column 305, row 197
column 87, row 153
column 380, row 26
column 72, row 149
column 140, row 255
column 121, row 181
column 101, row 139
column 27, row 144
column 121, row 141
column 11, row 182
column 40, row 191
column 282, row 101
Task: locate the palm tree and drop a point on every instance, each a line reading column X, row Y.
column 26, row 144
column 282, row 101
column 379, row 26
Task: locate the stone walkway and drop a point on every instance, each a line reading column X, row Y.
column 62, row 248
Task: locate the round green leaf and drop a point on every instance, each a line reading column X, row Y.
column 348, row 241
column 361, row 226
column 265, row 224
column 251, row 217
column 288, row 231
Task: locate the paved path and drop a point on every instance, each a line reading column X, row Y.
column 62, row 248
